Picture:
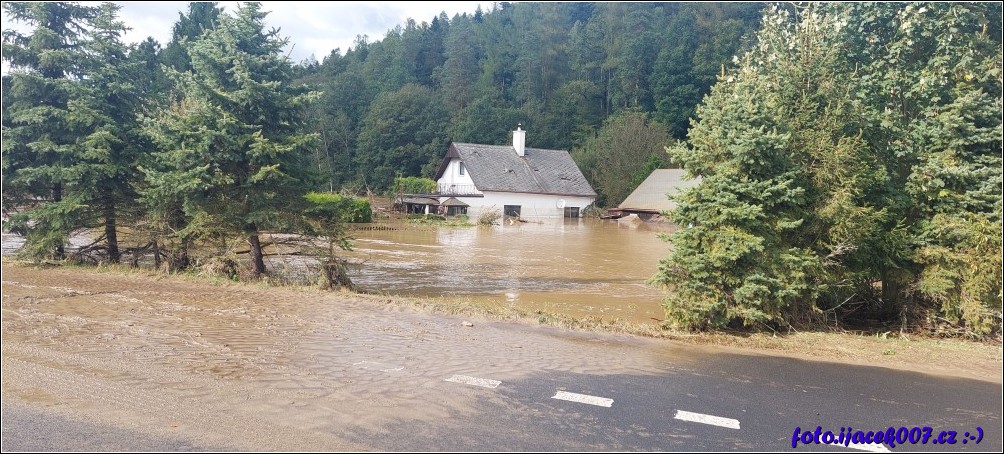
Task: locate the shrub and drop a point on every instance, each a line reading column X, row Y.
column 340, row 208
column 414, row 185
column 489, row 217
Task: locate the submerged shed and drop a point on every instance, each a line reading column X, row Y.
column 420, row 205
column 454, row 207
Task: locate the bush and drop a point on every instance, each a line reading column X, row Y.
column 340, row 208
column 328, row 214
column 414, row 185
column 359, row 210
column 489, row 217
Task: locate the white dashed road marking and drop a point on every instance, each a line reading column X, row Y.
column 584, row 399
column 870, row 447
column 483, row 382
column 707, row 419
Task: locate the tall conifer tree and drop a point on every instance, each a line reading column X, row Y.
column 852, row 157
column 234, row 150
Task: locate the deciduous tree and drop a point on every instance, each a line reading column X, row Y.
column 619, row 157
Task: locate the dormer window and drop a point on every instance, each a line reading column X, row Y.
column 461, row 167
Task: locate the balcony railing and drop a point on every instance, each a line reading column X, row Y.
column 457, row 189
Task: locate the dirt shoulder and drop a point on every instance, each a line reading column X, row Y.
column 944, row 357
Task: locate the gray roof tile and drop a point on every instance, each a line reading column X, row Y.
column 499, row 168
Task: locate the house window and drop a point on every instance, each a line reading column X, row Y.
column 571, row 212
column 461, row 167
column 456, row 211
column 511, row 210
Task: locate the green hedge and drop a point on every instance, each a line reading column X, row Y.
column 340, row 208
column 414, row 185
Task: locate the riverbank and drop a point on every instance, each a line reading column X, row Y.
column 26, row 285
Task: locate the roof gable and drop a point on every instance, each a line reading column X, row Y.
column 499, row 168
column 450, row 154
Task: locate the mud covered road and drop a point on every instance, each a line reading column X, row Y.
column 112, row 361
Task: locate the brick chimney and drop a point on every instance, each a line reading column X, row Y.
column 519, row 140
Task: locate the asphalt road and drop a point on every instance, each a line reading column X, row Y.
column 28, row 428
column 769, row 397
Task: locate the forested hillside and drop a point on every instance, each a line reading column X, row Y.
column 391, row 106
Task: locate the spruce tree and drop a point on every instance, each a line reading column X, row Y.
column 233, row 150
column 106, row 111
column 40, row 135
column 851, row 160
column 201, row 17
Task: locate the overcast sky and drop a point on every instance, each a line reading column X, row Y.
column 313, row 28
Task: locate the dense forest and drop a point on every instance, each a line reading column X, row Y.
column 850, row 154
column 561, row 69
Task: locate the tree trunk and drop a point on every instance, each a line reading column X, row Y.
column 179, row 259
column 335, row 275
column 110, row 236
column 57, row 196
column 257, row 257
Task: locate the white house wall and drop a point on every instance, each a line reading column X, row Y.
column 452, row 175
column 531, row 205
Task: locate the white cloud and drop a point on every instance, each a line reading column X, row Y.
column 318, row 27
column 313, row 28
column 148, row 19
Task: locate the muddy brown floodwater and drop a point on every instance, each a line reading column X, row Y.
column 578, row 267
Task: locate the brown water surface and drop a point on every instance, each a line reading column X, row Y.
column 576, row 267
column 579, row 267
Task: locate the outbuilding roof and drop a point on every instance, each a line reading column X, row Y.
column 453, row 202
column 652, row 194
column 420, row 200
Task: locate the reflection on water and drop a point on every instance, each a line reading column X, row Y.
column 578, row 267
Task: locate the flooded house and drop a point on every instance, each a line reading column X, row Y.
column 513, row 179
column 651, row 198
